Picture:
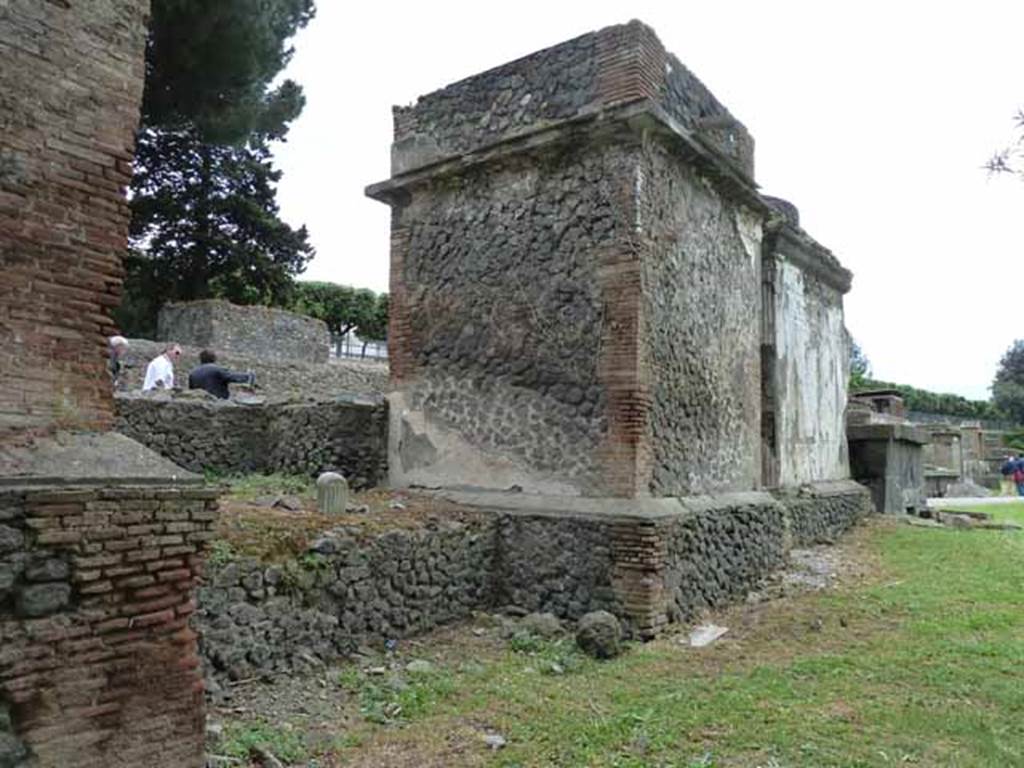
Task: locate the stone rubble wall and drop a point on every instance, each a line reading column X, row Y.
column 720, row 551
column 98, row 664
column 507, row 341
column 199, row 432
column 701, row 302
column 614, row 65
column 821, row 512
column 71, row 77
column 258, row 618
column 251, row 331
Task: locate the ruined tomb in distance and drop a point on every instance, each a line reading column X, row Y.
column 593, row 305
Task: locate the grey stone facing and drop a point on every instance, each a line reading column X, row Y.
column 346, row 434
column 700, row 307
column 37, row 600
column 646, row 562
column 887, row 458
column 262, row 332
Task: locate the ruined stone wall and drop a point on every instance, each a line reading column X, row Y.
column 348, row 435
column 70, row 84
column 720, row 550
column 499, row 271
column 617, row 64
column 349, row 589
column 887, row 459
column 649, row 568
column 275, row 380
column 98, row 665
column 819, row 513
column 701, row 289
column 248, row 331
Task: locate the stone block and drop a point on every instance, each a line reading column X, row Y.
column 38, row 600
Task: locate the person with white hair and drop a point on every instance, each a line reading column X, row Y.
column 116, row 347
column 160, row 371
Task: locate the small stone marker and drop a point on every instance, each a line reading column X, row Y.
column 706, row 634
column 331, row 493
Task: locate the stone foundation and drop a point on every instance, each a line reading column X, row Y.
column 346, row 434
column 650, row 562
column 98, row 664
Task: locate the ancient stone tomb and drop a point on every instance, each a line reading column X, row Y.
column 589, row 295
column 595, row 315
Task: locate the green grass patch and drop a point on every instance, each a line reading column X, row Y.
column 252, row 486
column 1009, row 512
column 241, row 739
column 921, row 666
column 396, row 697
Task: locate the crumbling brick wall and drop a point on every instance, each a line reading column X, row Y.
column 98, row 665
column 71, row 78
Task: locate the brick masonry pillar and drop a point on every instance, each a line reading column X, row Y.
column 98, row 665
column 639, row 561
column 71, row 77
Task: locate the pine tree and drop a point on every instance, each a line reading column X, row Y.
column 205, row 221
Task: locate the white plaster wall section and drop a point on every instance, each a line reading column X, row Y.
column 811, row 379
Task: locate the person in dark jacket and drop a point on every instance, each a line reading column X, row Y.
column 1018, row 475
column 214, row 378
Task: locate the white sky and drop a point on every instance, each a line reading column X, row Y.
column 873, row 117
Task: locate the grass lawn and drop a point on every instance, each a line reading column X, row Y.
column 919, row 663
column 1011, row 512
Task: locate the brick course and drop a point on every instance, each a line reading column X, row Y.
column 98, row 665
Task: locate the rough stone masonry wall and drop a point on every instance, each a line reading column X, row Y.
column 98, row 665
column 70, row 85
column 616, row 64
column 650, row 570
column 518, row 233
column 348, row 435
column 701, row 289
column 276, row 381
column 256, row 617
column 499, row 271
column 248, row 331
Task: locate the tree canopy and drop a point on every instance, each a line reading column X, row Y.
column 210, row 66
column 343, row 308
column 1008, row 384
column 205, row 220
column 1010, row 159
column 860, row 366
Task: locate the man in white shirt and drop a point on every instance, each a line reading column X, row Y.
column 160, row 371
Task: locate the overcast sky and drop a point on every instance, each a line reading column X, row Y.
column 874, row 118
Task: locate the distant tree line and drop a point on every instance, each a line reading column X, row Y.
column 1006, row 404
column 343, row 309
